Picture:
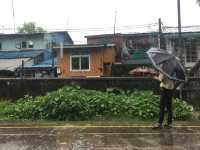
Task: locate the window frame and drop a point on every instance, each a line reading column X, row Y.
column 79, row 56
column 191, row 52
column 23, row 44
column 30, row 44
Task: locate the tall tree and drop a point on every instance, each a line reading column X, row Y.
column 30, row 27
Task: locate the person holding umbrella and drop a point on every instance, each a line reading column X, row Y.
column 171, row 71
column 167, row 88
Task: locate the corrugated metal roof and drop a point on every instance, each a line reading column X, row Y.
column 103, row 35
column 67, row 37
column 82, row 46
column 121, row 35
column 137, row 62
column 169, row 34
column 28, row 34
column 183, row 34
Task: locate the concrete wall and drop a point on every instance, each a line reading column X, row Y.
column 16, row 88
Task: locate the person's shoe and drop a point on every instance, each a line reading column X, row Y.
column 169, row 126
column 157, row 126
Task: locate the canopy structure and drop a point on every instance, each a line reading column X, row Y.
column 12, row 64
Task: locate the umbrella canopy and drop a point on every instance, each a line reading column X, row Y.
column 167, row 64
column 139, row 71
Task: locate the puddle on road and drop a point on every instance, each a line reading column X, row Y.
column 98, row 139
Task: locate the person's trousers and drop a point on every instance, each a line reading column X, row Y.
column 165, row 103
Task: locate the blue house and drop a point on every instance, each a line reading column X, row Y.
column 35, row 41
column 30, row 55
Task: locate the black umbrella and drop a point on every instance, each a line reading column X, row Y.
column 167, row 63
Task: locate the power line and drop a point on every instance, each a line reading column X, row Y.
column 194, row 28
column 98, row 29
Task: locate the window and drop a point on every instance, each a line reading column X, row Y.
column 191, row 51
column 24, row 44
column 30, row 44
column 80, row 63
column 18, row 45
column 50, row 44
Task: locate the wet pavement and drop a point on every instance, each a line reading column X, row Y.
column 91, row 137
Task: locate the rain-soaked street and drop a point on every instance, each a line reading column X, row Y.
column 98, row 137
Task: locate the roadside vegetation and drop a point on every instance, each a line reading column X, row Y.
column 76, row 104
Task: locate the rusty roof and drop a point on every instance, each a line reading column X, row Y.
column 83, row 46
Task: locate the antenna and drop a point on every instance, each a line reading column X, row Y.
column 13, row 15
column 67, row 24
column 115, row 21
column 2, row 28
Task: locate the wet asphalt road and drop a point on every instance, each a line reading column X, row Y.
column 98, row 138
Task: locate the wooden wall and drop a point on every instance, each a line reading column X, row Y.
column 100, row 63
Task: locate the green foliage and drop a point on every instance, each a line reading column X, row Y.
column 30, row 27
column 74, row 103
column 6, row 110
column 182, row 110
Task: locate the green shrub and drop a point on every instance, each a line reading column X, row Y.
column 6, row 110
column 74, row 103
column 182, row 110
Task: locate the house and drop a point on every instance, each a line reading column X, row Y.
column 21, row 41
column 190, row 46
column 89, row 60
column 45, row 69
column 30, row 55
column 131, row 48
column 13, row 63
column 195, row 70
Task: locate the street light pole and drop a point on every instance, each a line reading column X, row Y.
column 179, row 17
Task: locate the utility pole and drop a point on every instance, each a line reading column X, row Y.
column 13, row 15
column 179, row 16
column 180, row 52
column 159, row 33
column 67, row 24
column 180, row 44
column 115, row 21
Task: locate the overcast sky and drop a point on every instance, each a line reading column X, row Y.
column 81, row 14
